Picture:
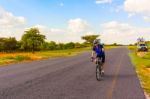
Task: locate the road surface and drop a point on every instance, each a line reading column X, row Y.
column 71, row 78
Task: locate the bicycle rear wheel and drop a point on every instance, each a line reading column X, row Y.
column 98, row 73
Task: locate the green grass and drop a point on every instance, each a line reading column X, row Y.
column 63, row 53
column 12, row 59
column 142, row 65
column 69, row 52
column 132, row 48
column 22, row 58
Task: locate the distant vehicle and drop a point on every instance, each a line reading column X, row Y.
column 141, row 45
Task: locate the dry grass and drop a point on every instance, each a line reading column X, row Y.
column 141, row 54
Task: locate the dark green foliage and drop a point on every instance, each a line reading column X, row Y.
column 8, row 44
column 70, row 45
column 60, row 46
column 32, row 40
column 52, row 45
column 78, row 45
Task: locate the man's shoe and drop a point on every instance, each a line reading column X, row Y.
column 102, row 72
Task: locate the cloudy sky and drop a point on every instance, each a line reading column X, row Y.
column 120, row 21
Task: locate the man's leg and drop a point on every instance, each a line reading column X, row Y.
column 103, row 61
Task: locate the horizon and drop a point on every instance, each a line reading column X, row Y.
column 116, row 21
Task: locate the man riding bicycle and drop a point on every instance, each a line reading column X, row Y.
column 98, row 52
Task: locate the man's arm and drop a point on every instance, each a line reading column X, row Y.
column 103, row 49
column 93, row 53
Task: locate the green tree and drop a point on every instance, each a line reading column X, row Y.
column 2, row 40
column 60, row 46
column 32, row 39
column 89, row 38
column 45, row 46
column 8, row 44
column 70, row 45
column 78, row 45
column 115, row 44
column 52, row 45
column 18, row 46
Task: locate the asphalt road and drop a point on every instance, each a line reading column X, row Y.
column 71, row 78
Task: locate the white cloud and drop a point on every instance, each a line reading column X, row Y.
column 73, row 32
column 78, row 25
column 11, row 25
column 7, row 19
column 103, row 1
column 116, row 32
column 138, row 7
column 52, row 34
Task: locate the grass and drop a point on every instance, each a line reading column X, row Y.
column 110, row 47
column 62, row 53
column 6, row 58
column 132, row 48
column 141, row 60
column 11, row 59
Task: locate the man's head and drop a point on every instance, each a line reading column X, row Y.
column 96, row 42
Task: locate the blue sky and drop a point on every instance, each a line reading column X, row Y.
column 56, row 14
column 50, row 12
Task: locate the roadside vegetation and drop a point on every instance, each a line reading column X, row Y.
column 141, row 60
column 15, row 57
column 34, row 46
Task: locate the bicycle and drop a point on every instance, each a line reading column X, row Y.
column 99, row 73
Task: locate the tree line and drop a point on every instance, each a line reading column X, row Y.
column 33, row 40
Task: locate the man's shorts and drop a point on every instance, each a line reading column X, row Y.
column 102, row 56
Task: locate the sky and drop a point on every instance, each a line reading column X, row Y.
column 116, row 21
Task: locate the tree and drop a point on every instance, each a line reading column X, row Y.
column 52, row 45
column 60, row 46
column 115, row 44
column 45, row 46
column 18, row 45
column 78, row 45
column 2, row 40
column 32, row 39
column 8, row 44
column 70, row 45
column 89, row 38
